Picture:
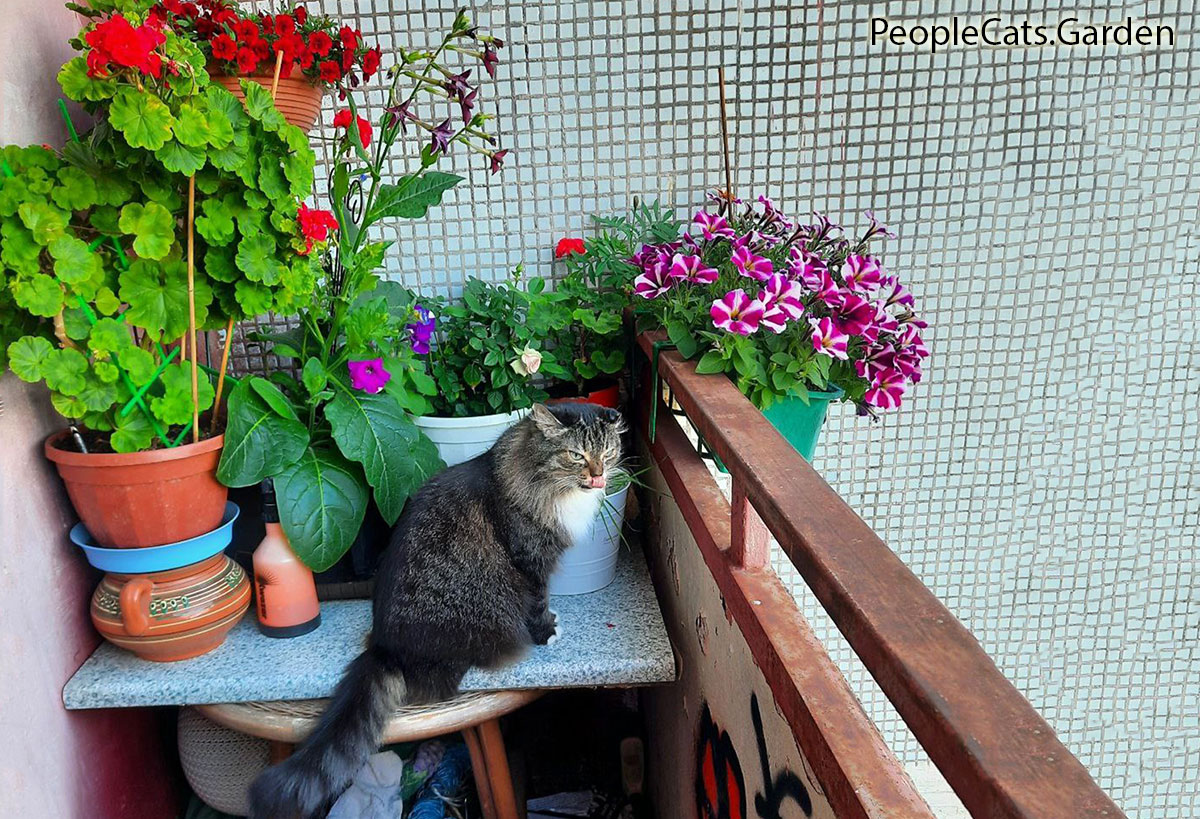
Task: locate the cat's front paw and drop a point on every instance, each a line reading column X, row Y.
column 545, row 631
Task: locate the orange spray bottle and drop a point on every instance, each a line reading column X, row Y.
column 284, row 587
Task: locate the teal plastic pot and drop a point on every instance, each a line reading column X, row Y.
column 800, row 423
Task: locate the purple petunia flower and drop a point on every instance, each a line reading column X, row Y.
column 653, row 282
column 828, row 338
column 863, row 274
column 713, row 225
column 886, row 390
column 421, row 331
column 854, row 314
column 691, row 268
column 737, row 313
column 781, row 292
column 368, row 376
column 751, row 265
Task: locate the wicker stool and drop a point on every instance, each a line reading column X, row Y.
column 476, row 715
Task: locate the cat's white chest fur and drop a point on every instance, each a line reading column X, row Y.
column 577, row 509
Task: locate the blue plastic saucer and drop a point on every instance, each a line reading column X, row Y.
column 157, row 558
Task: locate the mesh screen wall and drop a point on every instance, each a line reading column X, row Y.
column 1042, row 480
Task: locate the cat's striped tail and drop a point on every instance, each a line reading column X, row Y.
column 305, row 784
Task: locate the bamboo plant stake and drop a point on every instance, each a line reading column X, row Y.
column 229, row 325
column 725, row 141
column 191, row 268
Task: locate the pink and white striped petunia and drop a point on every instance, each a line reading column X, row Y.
column 886, row 391
column 863, row 274
column 691, row 268
column 653, row 282
column 828, row 339
column 750, row 264
column 737, row 313
column 713, row 225
column 855, row 314
column 876, row 361
column 786, row 294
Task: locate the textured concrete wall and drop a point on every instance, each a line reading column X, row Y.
column 78, row 765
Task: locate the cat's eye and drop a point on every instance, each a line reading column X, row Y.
column 577, row 457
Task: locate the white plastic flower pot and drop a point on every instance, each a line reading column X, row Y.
column 591, row 564
column 461, row 439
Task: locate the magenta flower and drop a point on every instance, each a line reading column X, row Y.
column 749, row 264
column 691, row 268
column 713, row 225
column 653, row 282
column 876, row 228
column 863, row 274
column 855, row 314
column 781, row 292
column 886, row 391
column 421, row 331
column 811, row 270
column 368, row 376
column 877, row 360
column 737, row 313
column 828, row 339
column 899, row 295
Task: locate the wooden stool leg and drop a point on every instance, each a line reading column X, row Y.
column 497, row 767
column 480, row 771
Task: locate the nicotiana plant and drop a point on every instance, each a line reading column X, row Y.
column 341, row 435
column 784, row 308
column 95, row 235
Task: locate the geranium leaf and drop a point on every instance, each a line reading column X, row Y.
column 77, row 85
column 109, row 336
column 411, row 198
column 152, row 226
column 76, row 190
column 134, row 433
column 27, row 357
column 44, row 222
column 218, row 264
column 39, row 294
column 68, row 406
column 181, row 158
column 191, row 127
column 18, row 251
column 98, row 395
column 322, row 501
column 259, row 443
column 65, row 370
column 143, row 119
column 106, row 301
column 373, row 430
column 158, row 300
column 138, row 364
column 256, row 258
column 215, row 224
column 271, row 179
column 254, row 299
column 261, row 107
column 174, row 406
column 73, row 261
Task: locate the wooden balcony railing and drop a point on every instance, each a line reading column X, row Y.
column 995, row 750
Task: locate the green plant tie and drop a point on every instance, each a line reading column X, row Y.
column 5, row 169
column 655, row 349
column 62, row 109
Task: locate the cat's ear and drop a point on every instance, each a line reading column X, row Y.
column 611, row 415
column 546, row 421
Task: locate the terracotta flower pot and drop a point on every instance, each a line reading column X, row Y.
column 606, row 396
column 296, row 98
column 137, row 499
column 172, row 615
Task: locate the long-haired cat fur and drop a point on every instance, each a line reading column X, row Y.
column 462, row 584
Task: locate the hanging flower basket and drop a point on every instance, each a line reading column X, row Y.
column 296, row 98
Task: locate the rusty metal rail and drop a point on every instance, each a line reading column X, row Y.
column 995, row 750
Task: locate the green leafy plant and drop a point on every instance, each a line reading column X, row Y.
column 490, row 345
column 588, row 336
column 341, row 434
column 95, row 236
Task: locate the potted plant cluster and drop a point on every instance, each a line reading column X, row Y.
column 343, row 434
column 588, row 332
column 314, row 52
column 797, row 315
column 98, row 299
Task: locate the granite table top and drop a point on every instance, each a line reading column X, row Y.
column 612, row 637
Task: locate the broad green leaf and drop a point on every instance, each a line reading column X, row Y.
column 683, row 339
column 712, row 362
column 219, row 264
column 134, row 433
column 65, row 370
column 298, row 168
column 139, row 364
column 609, row 363
column 259, row 443
column 13, row 192
column 106, row 301
column 18, row 250
column 76, row 190
column 271, row 179
column 77, row 85
column 109, row 336
column 174, row 406
column 256, row 258
column 27, row 357
column 181, row 158
column 73, row 261
column 274, row 397
column 215, row 224
column 106, row 371
column 152, row 226
column 254, row 299
column 261, row 107
column 191, row 126
column 39, row 294
column 411, row 198
column 314, row 376
column 396, row 457
column 157, row 295
column 322, row 501
column 143, row 119
column 98, row 395
column 68, row 406
column 44, row 222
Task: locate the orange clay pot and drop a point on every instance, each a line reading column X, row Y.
column 607, row 396
column 152, row 498
column 296, row 98
column 172, row 615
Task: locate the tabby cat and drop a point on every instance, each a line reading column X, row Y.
column 462, row 584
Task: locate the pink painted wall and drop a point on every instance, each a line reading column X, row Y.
column 55, row 763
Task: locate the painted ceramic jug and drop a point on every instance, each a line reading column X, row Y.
column 172, row 615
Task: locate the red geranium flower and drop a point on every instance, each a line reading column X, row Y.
column 349, row 37
column 331, row 71
column 320, row 43
column 370, row 63
column 342, row 120
column 568, row 246
column 117, row 41
column 173, row 6
column 247, row 60
column 284, row 24
column 301, row 15
column 224, row 48
column 314, row 225
column 246, row 30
